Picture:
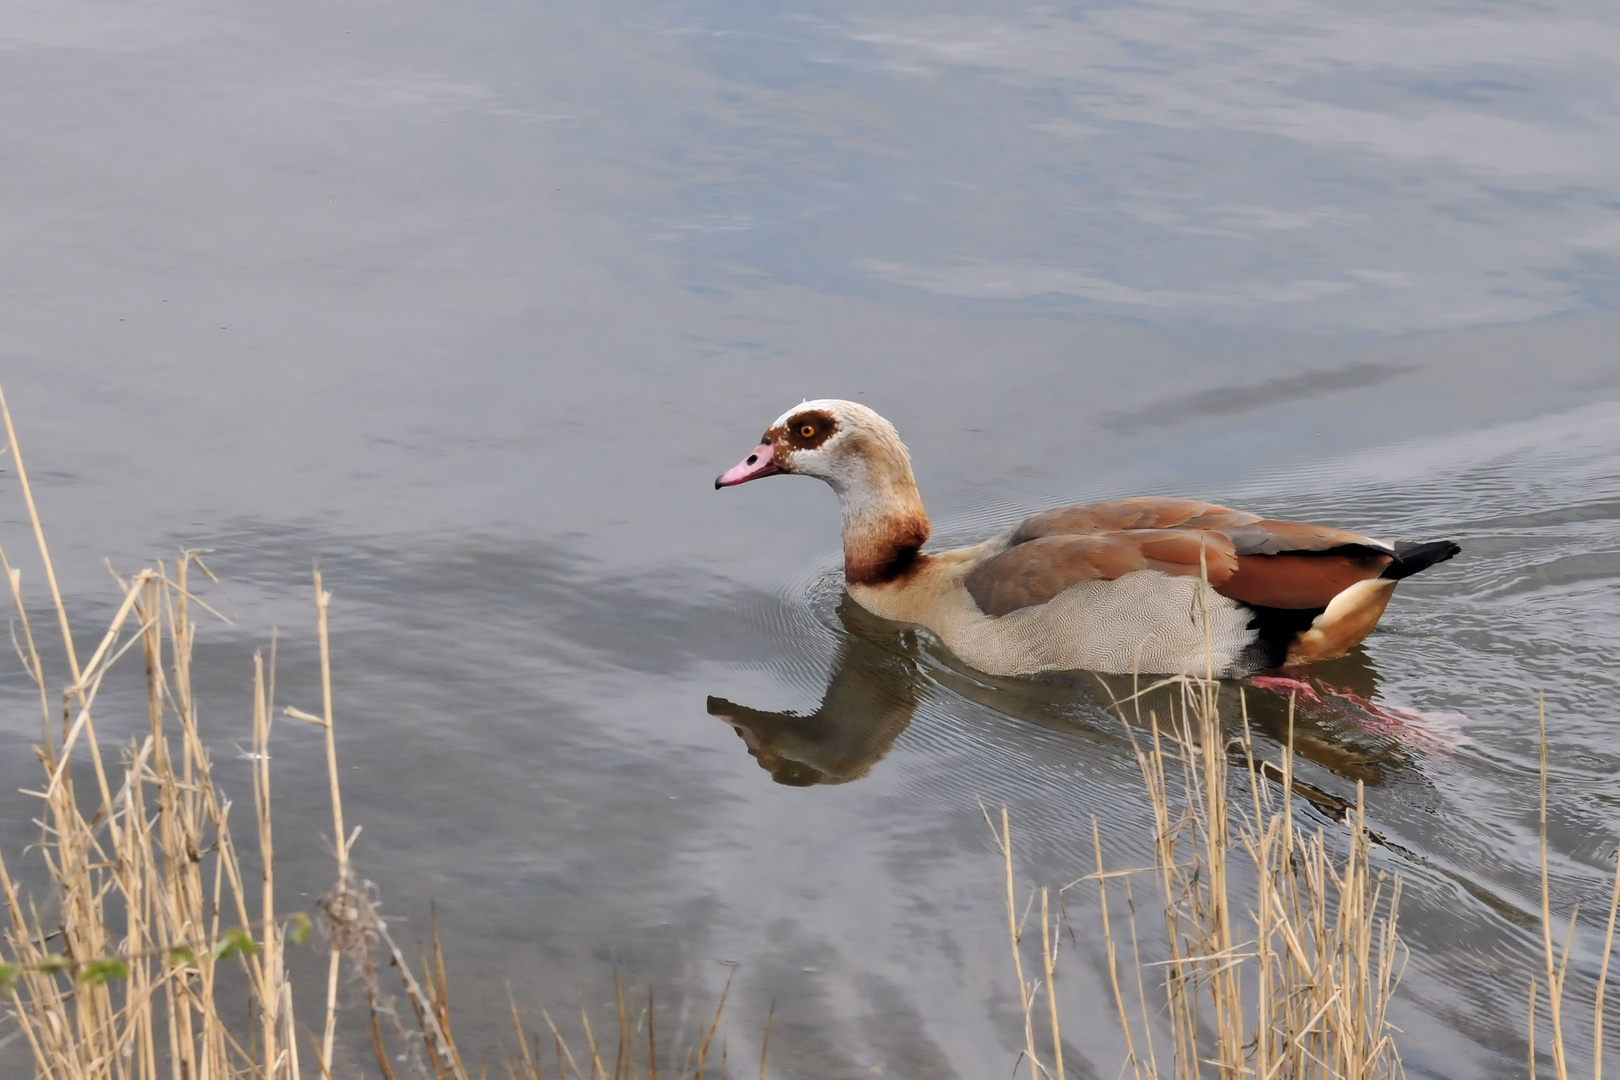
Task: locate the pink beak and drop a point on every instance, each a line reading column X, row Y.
column 762, row 462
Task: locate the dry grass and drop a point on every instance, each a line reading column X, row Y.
column 1280, row 947
column 157, row 951
column 1297, row 985
column 1556, row 969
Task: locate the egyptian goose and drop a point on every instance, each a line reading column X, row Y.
column 1112, row 586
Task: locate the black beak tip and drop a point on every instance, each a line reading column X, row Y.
column 717, row 484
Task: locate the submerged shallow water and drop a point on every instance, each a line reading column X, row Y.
column 471, row 305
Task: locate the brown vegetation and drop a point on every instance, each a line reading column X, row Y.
column 1280, row 951
column 159, row 952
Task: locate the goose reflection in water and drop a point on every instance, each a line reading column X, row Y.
column 868, row 703
column 877, row 683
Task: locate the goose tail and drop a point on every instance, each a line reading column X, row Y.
column 1412, row 558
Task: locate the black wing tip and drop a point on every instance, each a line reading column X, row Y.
column 1412, row 558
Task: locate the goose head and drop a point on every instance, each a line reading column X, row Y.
column 860, row 456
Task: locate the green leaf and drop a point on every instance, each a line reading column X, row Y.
column 298, row 928
column 180, row 955
column 99, row 971
column 8, row 977
column 236, row 940
column 54, row 962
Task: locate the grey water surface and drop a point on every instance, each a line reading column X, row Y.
column 471, row 302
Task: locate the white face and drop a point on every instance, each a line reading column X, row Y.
column 841, row 442
column 807, row 440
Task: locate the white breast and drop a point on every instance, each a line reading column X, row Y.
column 1146, row 622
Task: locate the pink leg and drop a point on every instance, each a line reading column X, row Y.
column 1432, row 732
column 1436, row 732
column 1288, row 687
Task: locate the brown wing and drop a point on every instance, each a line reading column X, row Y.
column 1262, row 536
column 1150, row 512
column 1304, row 574
column 1037, row 570
column 1282, row 564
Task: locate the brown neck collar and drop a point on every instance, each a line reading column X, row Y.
column 885, row 551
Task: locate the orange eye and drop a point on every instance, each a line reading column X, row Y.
column 808, row 431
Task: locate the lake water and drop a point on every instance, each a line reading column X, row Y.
column 471, row 303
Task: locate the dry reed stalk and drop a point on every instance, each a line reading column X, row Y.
column 1280, row 946
column 154, row 936
column 340, row 840
column 592, row 1065
column 151, row 907
column 1555, row 977
column 153, row 901
column 1556, row 966
column 1026, row 990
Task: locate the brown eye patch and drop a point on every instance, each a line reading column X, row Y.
column 808, row 430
